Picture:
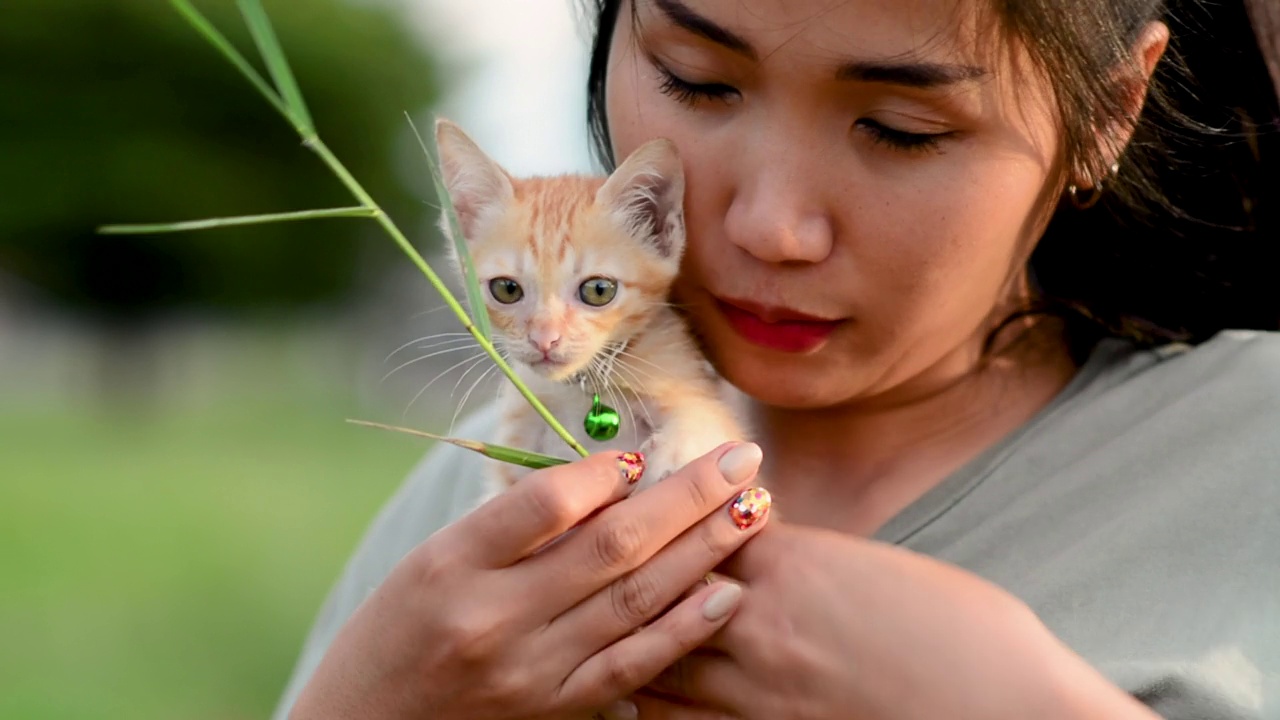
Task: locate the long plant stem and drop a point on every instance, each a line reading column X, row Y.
column 351, row 212
column 292, row 108
column 317, row 145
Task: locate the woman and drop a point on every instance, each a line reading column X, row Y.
column 946, row 249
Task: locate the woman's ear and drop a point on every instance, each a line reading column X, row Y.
column 1135, row 80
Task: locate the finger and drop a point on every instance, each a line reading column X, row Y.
column 653, row 707
column 707, row 679
column 628, row 533
column 637, row 597
column 634, row 661
column 710, row 578
column 720, row 642
column 543, row 505
column 619, row 710
column 760, row 556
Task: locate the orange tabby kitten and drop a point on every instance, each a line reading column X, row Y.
column 576, row 271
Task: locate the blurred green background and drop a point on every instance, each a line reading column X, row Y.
column 177, row 486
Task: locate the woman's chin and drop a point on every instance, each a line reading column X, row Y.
column 774, row 390
column 791, row 381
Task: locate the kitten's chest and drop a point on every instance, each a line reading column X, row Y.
column 571, row 406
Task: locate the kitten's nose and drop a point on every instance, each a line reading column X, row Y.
column 544, row 340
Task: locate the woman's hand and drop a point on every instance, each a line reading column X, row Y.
column 489, row 618
column 832, row 626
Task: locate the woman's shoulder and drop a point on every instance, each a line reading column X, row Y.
column 1181, row 436
column 1145, row 442
column 1230, row 355
column 1140, row 521
column 1233, row 377
column 1205, row 415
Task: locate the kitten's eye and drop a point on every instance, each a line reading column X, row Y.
column 597, row 291
column 505, row 290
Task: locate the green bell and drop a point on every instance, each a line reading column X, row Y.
column 602, row 422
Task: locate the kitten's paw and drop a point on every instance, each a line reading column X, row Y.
column 663, row 458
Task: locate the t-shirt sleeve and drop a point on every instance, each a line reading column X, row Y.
column 446, row 484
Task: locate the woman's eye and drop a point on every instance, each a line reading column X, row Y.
column 598, row 291
column 689, row 93
column 901, row 139
column 505, row 290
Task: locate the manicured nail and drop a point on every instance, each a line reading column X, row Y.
column 750, row 505
column 740, row 463
column 624, row 710
column 722, row 602
column 632, row 466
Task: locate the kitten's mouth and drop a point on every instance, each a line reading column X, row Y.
column 579, row 373
column 548, row 363
column 552, row 368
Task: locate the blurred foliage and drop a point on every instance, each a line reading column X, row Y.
column 167, row 564
column 117, row 111
column 163, row 557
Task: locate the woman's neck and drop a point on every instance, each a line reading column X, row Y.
column 853, row 467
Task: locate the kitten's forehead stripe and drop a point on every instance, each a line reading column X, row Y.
column 554, row 235
column 556, row 205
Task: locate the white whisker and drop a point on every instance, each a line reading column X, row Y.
column 464, row 375
column 633, row 356
column 638, row 389
column 497, row 391
column 437, row 377
column 424, row 357
column 421, row 339
column 627, row 376
column 631, row 414
column 458, row 410
column 417, row 315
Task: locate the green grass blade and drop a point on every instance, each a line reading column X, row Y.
column 264, row 36
column 208, row 223
column 524, row 458
column 479, row 328
column 205, row 28
column 475, row 294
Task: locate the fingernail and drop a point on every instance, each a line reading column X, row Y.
column 750, row 505
column 740, row 463
column 632, row 466
column 624, row 710
column 722, row 602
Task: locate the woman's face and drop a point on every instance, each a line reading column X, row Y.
column 863, row 188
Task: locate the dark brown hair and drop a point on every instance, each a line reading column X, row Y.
column 1186, row 237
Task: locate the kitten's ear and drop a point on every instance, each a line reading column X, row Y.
column 476, row 184
column 645, row 194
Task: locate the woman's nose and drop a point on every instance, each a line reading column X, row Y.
column 777, row 217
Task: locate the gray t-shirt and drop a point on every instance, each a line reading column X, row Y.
column 1138, row 514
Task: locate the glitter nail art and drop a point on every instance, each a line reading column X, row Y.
column 632, row 466
column 750, row 505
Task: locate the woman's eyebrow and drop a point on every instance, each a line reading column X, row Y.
column 909, row 74
column 683, row 16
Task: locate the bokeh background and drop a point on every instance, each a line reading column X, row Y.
column 178, row 487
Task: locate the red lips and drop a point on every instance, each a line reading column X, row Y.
column 776, row 328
